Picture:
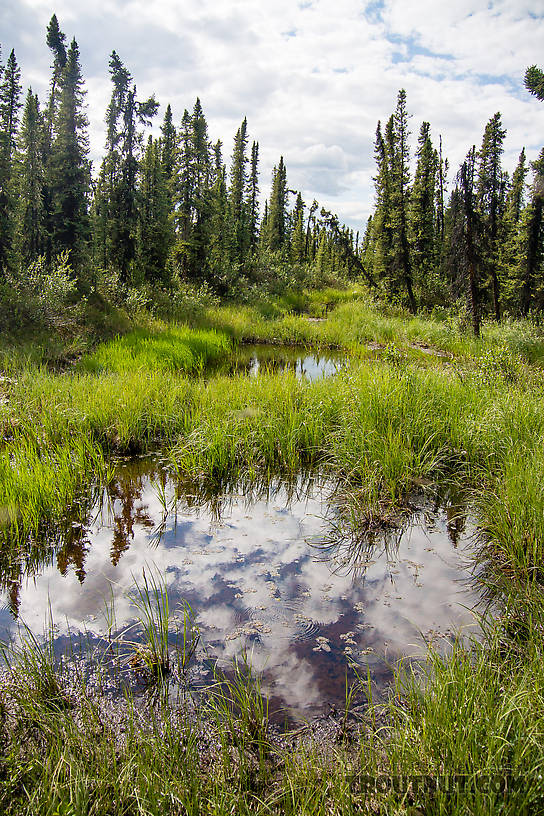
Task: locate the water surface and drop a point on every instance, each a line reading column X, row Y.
column 277, row 573
column 305, row 364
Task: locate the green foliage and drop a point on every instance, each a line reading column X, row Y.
column 44, row 297
column 534, row 81
column 10, row 91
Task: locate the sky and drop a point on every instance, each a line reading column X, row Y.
column 313, row 77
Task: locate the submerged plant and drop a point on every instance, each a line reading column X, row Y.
column 152, row 656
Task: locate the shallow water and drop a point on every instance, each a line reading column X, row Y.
column 309, row 365
column 278, row 574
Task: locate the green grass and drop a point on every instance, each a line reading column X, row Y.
column 175, row 348
column 395, row 418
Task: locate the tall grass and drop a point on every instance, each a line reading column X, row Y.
column 176, row 348
column 354, row 323
column 379, row 425
column 39, row 482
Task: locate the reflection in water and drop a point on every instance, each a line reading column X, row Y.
column 255, row 359
column 281, row 574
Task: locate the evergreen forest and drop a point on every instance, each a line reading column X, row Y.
column 160, row 213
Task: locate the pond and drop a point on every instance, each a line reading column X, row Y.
column 279, row 573
column 304, row 363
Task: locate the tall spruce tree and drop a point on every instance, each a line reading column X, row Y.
column 490, row 200
column 119, row 174
column 185, row 187
column 277, row 210
column 219, row 238
column 237, row 202
column 516, row 193
column 531, row 243
column 468, row 237
column 56, row 42
column 253, row 197
column 510, row 243
column 69, row 168
column 400, row 199
column 155, row 229
column 30, row 209
column 202, row 196
column 382, row 237
column 423, row 230
column 442, row 173
column 298, row 238
column 168, row 145
column 10, row 93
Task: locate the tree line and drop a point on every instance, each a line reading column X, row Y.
column 158, row 209
column 481, row 244
column 166, row 209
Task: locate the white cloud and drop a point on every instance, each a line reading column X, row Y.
column 312, row 78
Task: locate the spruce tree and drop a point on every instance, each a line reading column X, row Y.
column 237, row 204
column 168, row 145
column 442, row 173
column 490, row 200
column 69, row 167
column 56, row 42
column 185, row 180
column 219, row 233
column 323, row 257
column 155, row 231
column 422, row 209
column 298, row 238
column 467, row 239
column 277, row 210
column 201, row 203
column 119, row 173
column 400, row 198
column 30, row 210
column 253, row 197
column 531, row 242
column 10, row 92
column 511, row 242
column 169, row 161
column 515, row 198
column 382, row 236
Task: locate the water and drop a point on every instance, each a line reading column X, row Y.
column 255, row 359
column 279, row 574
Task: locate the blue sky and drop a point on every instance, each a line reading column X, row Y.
column 312, row 77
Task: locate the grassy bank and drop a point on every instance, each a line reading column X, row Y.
column 398, row 417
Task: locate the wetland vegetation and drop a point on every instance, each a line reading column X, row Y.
column 393, row 425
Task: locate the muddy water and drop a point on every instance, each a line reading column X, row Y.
column 310, row 365
column 278, row 573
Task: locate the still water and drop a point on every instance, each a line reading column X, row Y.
column 309, row 365
column 279, row 572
